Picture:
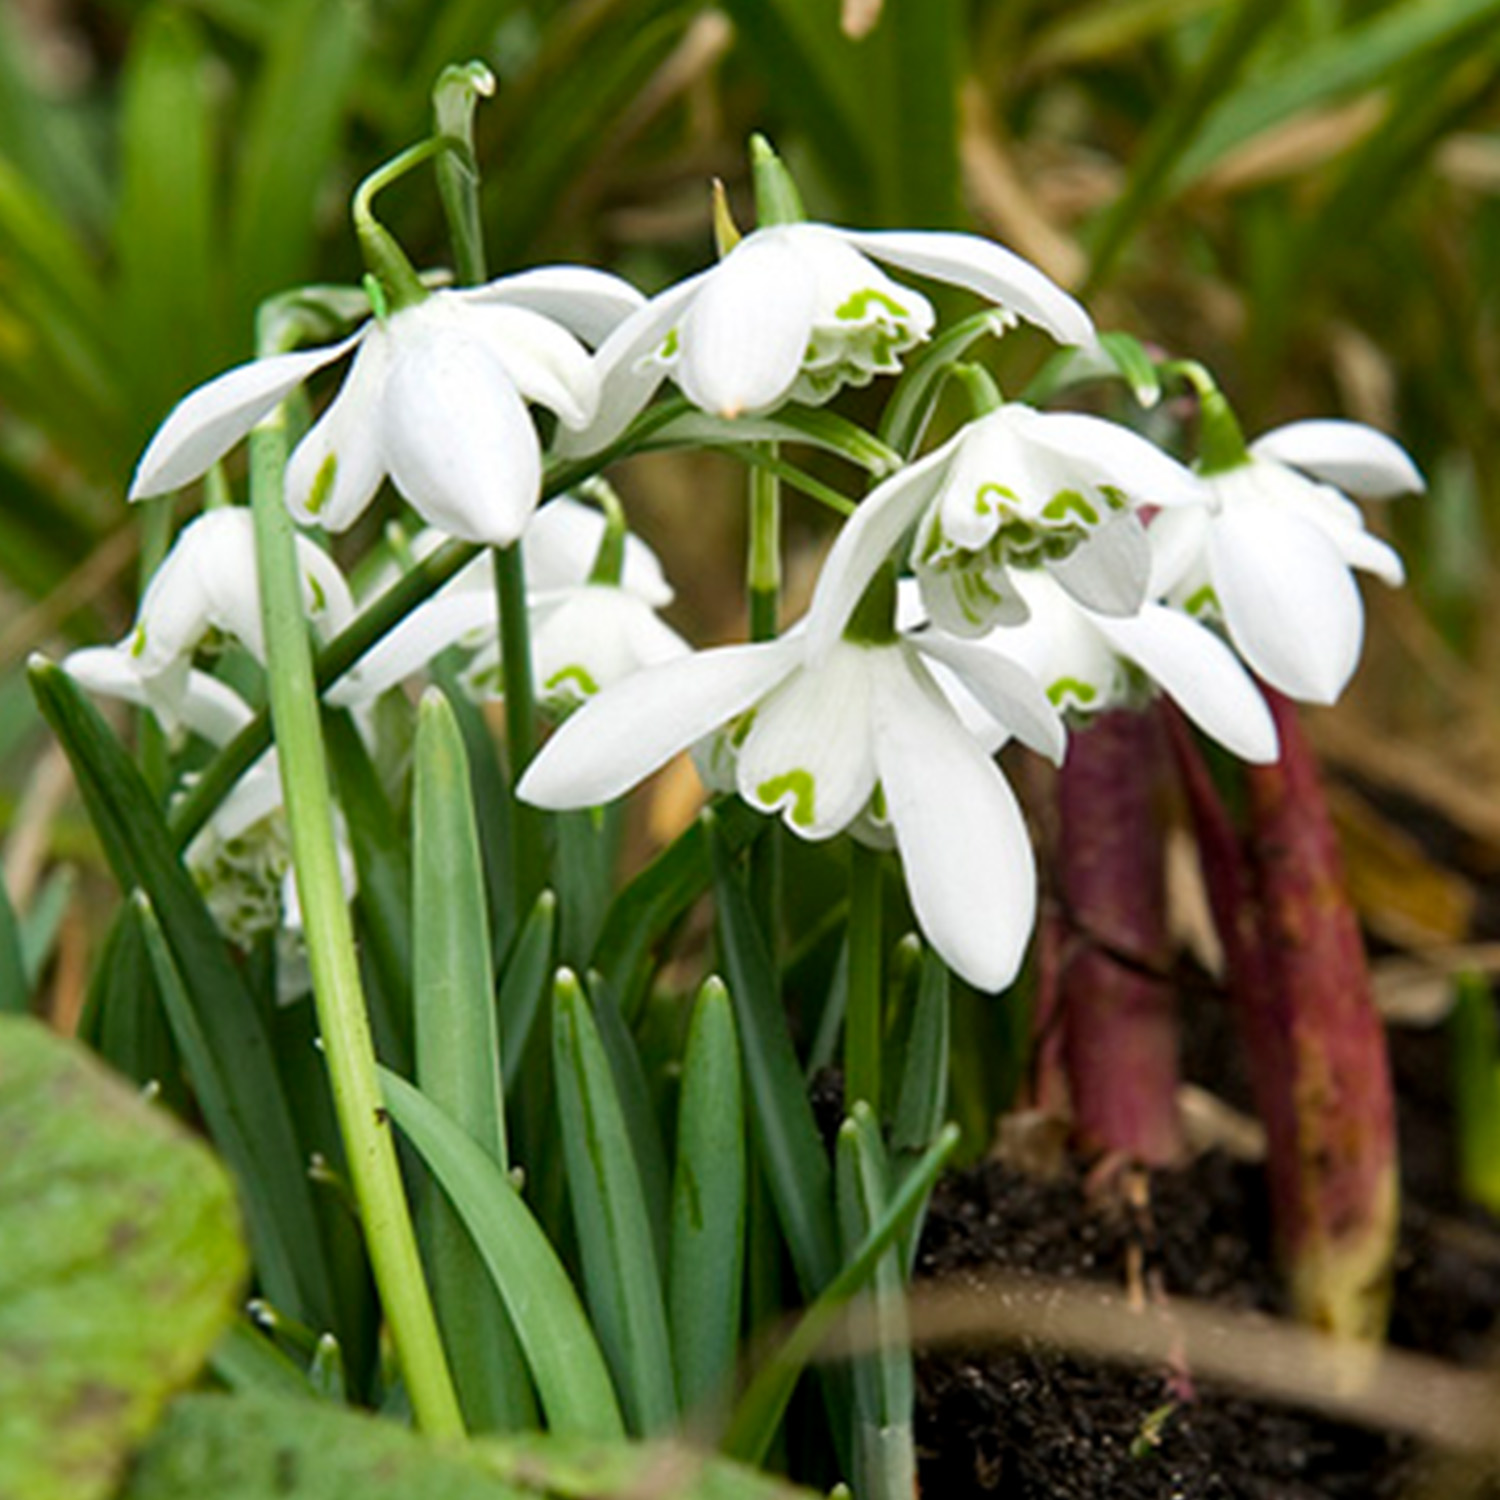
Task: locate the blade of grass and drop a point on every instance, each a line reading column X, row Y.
column 786, row 1133
column 458, row 1062
column 885, row 1461
column 528, row 972
column 706, row 1259
column 621, row 1274
column 760, row 1409
column 140, row 852
column 572, row 1379
column 15, row 988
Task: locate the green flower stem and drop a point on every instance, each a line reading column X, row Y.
column 385, row 258
column 863, row 1018
column 528, row 826
column 337, row 992
column 763, row 565
column 458, row 91
column 1221, row 441
column 763, row 585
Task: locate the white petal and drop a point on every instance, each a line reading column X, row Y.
column 348, row 438
column 1179, row 545
column 964, row 845
column 1108, row 453
column 207, row 580
column 1349, row 455
column 1009, row 693
column 410, row 648
column 208, row 707
column 460, row 444
column 629, row 731
column 587, row 302
column 256, row 795
column 1291, row 605
column 986, row 268
column 744, row 336
column 325, row 592
column 969, row 600
column 1370, row 555
column 867, row 540
column 1110, row 569
column 628, row 377
column 206, row 424
column 1201, row 675
column 547, row 364
column 808, row 754
column 561, row 542
column 596, row 636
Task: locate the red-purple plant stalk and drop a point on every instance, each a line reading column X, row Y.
column 1313, row 1039
column 1119, row 1015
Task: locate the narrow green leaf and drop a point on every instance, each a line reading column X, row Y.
column 621, row 1274
column 706, row 1260
column 1368, row 55
column 1474, row 1066
column 164, row 232
column 301, row 95
column 122, row 1263
column 140, row 852
column 383, row 898
column 633, row 1089
column 786, row 1134
column 458, row 1061
column 528, row 973
column 15, row 988
column 885, row 1465
column 231, row 1133
column 760, row 1409
column 1173, row 129
column 571, row 1377
column 922, row 1097
column 38, row 933
column 802, row 46
column 246, row 1360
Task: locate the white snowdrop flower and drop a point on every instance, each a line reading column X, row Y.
column 208, row 584
column 581, row 632
column 1090, row 662
column 1274, row 554
column 860, row 732
column 1016, row 488
column 795, row 312
column 435, row 400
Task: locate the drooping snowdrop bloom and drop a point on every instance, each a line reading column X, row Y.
column 583, row 632
column 828, row 742
column 435, row 400
column 1273, row 555
column 1016, row 488
column 207, row 583
column 795, row 312
column 241, row 859
column 1090, row 662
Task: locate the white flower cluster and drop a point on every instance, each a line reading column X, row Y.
column 1056, row 564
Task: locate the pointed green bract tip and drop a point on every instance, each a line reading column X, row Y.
column 777, row 200
column 713, row 991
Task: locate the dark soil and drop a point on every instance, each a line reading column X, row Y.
column 1028, row 1423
